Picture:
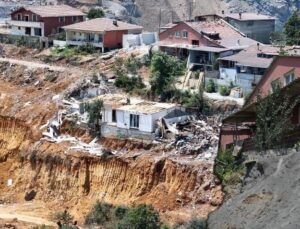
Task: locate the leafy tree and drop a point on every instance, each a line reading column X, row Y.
column 95, row 13
column 129, row 84
column 273, row 119
column 211, row 86
column 99, row 215
column 195, row 100
column 164, row 69
column 292, row 29
column 278, row 38
column 142, row 216
column 94, row 111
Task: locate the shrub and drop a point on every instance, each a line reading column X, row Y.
column 226, row 165
column 129, row 84
column 94, row 111
column 99, row 215
column 211, row 86
column 86, row 49
column 95, row 13
column 65, row 217
column 223, row 90
column 142, row 216
column 120, row 212
column 196, row 224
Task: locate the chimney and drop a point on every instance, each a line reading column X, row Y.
column 240, row 15
column 115, row 22
column 223, row 12
column 258, row 46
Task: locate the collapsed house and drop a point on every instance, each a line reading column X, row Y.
column 136, row 118
column 238, row 129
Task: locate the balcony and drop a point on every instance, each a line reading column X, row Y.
column 79, row 43
column 32, row 24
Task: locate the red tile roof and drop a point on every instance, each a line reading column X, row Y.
column 101, row 25
column 55, row 11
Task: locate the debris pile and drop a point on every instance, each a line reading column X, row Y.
column 198, row 138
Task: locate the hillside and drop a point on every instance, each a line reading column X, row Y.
column 152, row 13
column 271, row 200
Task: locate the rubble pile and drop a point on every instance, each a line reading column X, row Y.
column 199, row 138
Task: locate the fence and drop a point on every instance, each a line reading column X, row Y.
column 28, row 41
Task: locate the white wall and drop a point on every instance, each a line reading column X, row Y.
column 228, row 74
column 21, row 32
column 133, row 40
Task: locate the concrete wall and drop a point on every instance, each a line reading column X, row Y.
column 29, row 41
column 18, row 30
column 260, row 30
column 133, row 40
column 113, row 131
column 228, row 74
column 114, row 39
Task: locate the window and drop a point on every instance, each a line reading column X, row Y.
column 74, row 18
column 62, row 19
column 134, row 121
column 37, row 32
column 275, row 84
column 19, row 16
column 177, row 34
column 185, row 34
column 114, row 116
column 19, row 28
column 289, row 78
column 34, row 17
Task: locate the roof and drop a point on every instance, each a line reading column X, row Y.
column 119, row 102
column 54, row 11
column 220, row 27
column 250, row 17
column 237, row 43
column 250, row 56
column 101, row 25
column 176, row 113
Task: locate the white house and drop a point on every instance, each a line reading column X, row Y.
column 133, row 117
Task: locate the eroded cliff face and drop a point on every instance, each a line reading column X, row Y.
column 45, row 171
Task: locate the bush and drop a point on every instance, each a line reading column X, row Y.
column 142, row 216
column 227, row 165
column 95, row 13
column 223, row 90
column 211, row 86
column 129, row 84
column 196, row 224
column 94, row 111
column 99, row 215
column 86, row 49
column 64, row 217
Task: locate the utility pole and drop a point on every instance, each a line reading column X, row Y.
column 190, row 4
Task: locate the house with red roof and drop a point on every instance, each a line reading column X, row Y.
column 43, row 21
column 239, row 128
column 202, row 42
column 103, row 33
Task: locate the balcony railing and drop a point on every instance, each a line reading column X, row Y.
column 26, row 23
column 78, row 43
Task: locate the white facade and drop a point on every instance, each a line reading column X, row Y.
column 134, row 40
column 82, row 38
column 28, row 28
column 147, row 122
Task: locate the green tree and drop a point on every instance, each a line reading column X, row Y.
column 99, row 215
column 95, row 13
column 273, row 119
column 292, row 29
column 142, row 216
column 94, row 112
column 164, row 69
column 211, row 86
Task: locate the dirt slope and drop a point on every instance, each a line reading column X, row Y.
column 269, row 202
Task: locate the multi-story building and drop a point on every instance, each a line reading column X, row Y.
column 43, row 21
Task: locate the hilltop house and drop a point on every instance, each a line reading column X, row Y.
column 238, row 128
column 202, row 42
column 43, row 21
column 102, row 33
column 255, row 26
column 136, row 118
column 246, row 68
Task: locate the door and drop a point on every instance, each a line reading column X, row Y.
column 195, row 42
column 28, row 31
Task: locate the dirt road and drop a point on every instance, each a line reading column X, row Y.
column 32, row 64
column 9, row 213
